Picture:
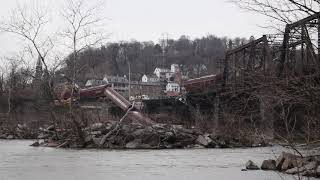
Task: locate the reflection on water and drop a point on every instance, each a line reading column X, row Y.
column 19, row 161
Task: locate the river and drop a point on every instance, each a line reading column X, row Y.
column 19, row 161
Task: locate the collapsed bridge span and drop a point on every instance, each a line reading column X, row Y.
column 106, row 91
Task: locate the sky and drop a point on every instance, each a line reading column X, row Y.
column 149, row 20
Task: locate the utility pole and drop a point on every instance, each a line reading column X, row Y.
column 125, row 56
column 129, row 92
column 164, row 46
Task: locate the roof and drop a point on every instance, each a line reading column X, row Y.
column 163, row 69
column 116, row 78
column 94, row 82
column 173, row 83
column 151, row 76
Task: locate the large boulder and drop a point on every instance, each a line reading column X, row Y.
column 96, row 141
column 269, row 165
column 287, row 164
column 127, row 129
column 287, row 161
column 3, row 136
column 181, row 129
column 202, row 141
column 139, row 133
column 161, row 128
column 280, row 160
column 205, row 141
column 220, row 141
column 10, row 137
column 152, row 139
column 130, row 128
column 211, row 143
column 295, row 170
column 35, row 144
column 250, row 165
column 135, row 144
column 146, row 146
column 88, row 138
column 308, row 170
column 169, row 137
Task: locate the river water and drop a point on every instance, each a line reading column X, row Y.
column 19, row 161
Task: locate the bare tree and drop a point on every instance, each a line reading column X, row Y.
column 28, row 22
column 281, row 11
column 2, row 73
column 13, row 66
column 83, row 29
column 83, row 24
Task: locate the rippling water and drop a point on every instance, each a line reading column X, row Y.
column 19, row 161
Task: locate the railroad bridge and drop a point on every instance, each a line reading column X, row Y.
column 252, row 70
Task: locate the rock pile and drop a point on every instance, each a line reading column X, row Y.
column 250, row 165
column 269, row 165
column 18, row 132
column 291, row 164
column 135, row 136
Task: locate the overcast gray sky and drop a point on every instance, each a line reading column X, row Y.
column 148, row 19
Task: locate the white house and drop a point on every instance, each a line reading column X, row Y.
column 115, row 79
column 175, row 68
column 161, row 72
column 118, row 83
column 173, row 87
column 152, row 79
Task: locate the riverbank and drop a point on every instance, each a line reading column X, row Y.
column 19, row 131
column 111, row 135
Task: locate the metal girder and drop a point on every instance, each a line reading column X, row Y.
column 244, row 59
column 253, row 43
column 304, row 21
column 307, row 50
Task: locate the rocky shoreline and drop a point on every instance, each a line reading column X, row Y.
column 110, row 135
column 137, row 136
column 292, row 164
column 18, row 132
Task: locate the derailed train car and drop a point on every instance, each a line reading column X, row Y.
column 203, row 84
